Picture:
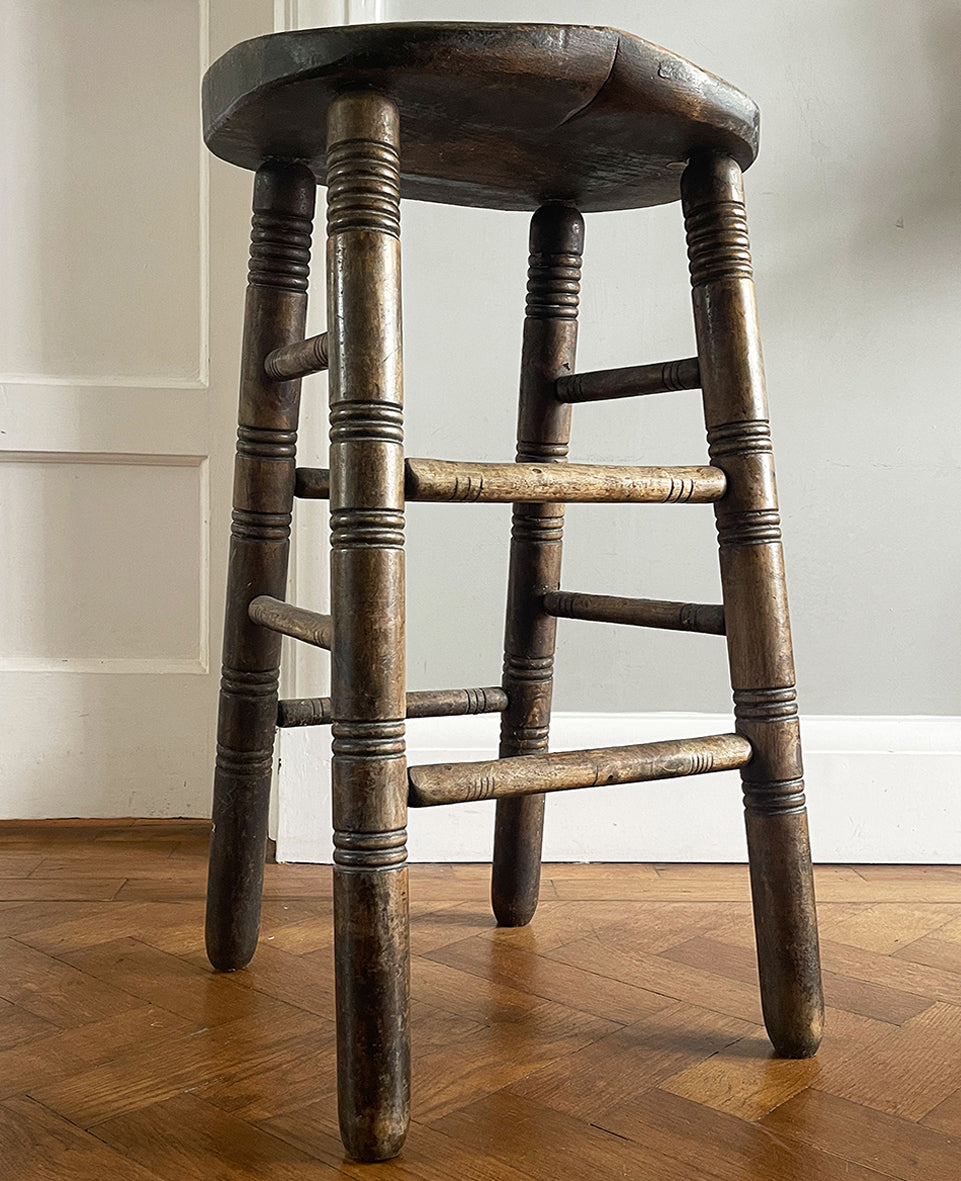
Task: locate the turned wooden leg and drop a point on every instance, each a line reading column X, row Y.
column 367, row 605
column 275, row 314
column 543, row 431
column 755, row 604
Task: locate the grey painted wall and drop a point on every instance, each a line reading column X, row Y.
column 855, row 212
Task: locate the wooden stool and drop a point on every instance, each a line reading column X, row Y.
column 549, row 118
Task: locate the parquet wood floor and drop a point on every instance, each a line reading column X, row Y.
column 619, row 1036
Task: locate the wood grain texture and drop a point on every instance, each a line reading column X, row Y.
column 368, row 695
column 75, row 889
column 895, row 1073
column 687, row 617
column 746, row 1080
column 530, row 970
column 498, row 779
column 18, row 864
column 619, row 957
column 717, row 1145
column 544, row 1143
column 935, row 951
column 589, row 1082
column 59, row 1056
column 447, row 481
column 428, row 1155
column 186, row 1138
column 548, row 1031
column 755, row 601
column 312, row 483
column 297, row 622
column 493, row 115
column 935, row 982
column 946, row 1117
column 863, row 997
column 143, row 1075
column 36, row 1143
column 503, row 483
column 426, row 703
column 53, row 990
column 275, row 314
column 893, row 928
column 896, row 1147
column 548, row 349
column 18, row 1025
column 157, row 977
column 299, row 359
column 631, row 381
column 609, row 1036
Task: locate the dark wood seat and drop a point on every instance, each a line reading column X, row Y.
column 497, row 116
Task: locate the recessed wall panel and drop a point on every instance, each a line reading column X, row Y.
column 101, row 562
column 100, row 206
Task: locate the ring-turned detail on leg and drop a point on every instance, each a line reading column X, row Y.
column 368, row 699
column 275, row 315
column 755, row 604
column 543, row 432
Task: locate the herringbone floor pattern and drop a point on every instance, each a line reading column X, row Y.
column 617, row 1037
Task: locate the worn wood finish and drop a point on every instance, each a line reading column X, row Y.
column 428, row 703
column 450, row 481
column 275, row 314
column 685, row 617
column 630, row 382
column 299, row 359
column 586, row 483
column 312, row 483
column 755, row 603
column 517, row 117
column 367, row 601
column 458, row 783
column 556, row 244
column 297, row 622
column 499, row 116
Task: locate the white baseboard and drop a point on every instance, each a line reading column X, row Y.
column 880, row 789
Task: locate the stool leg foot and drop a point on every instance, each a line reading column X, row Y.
column 263, row 496
column 372, row 986
column 516, row 870
column 785, row 925
column 755, row 604
column 543, row 431
column 369, row 773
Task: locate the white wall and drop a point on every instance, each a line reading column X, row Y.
column 120, row 312
column 854, row 211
